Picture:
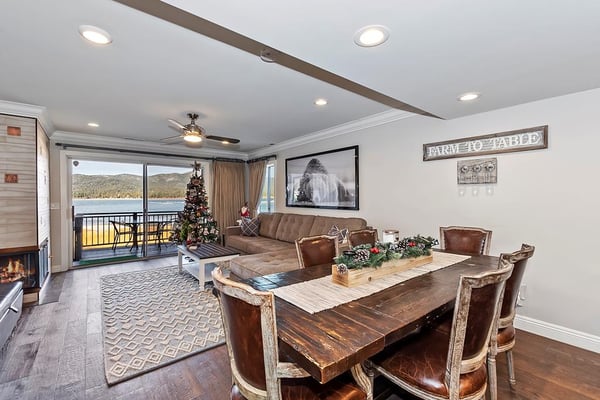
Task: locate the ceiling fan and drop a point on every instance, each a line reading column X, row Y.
column 194, row 134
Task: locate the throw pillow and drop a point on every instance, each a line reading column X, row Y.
column 250, row 227
column 342, row 234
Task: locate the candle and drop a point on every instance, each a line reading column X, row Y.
column 390, row 236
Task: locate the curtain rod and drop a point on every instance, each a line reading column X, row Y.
column 265, row 158
column 152, row 153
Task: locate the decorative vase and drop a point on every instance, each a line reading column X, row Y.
column 355, row 277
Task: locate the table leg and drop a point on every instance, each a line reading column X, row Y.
column 180, row 260
column 363, row 379
column 202, row 266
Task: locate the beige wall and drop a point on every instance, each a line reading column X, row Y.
column 547, row 198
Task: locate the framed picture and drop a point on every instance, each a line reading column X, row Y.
column 323, row 180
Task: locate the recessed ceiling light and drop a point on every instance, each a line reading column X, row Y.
column 468, row 96
column 93, row 124
column 320, row 102
column 371, row 35
column 95, row 34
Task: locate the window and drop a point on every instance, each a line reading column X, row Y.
column 267, row 199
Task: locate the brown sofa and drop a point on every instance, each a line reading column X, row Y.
column 274, row 249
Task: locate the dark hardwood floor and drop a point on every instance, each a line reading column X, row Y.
column 56, row 353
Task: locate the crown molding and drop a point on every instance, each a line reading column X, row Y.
column 363, row 123
column 28, row 110
column 119, row 144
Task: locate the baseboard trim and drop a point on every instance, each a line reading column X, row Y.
column 559, row 333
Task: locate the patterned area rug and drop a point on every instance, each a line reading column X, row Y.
column 153, row 318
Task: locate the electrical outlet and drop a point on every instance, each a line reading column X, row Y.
column 522, row 295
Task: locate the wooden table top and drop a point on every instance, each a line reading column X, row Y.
column 209, row 250
column 330, row 342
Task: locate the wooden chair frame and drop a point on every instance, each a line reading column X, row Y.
column 275, row 370
column 487, row 233
column 523, row 254
column 455, row 365
column 301, row 242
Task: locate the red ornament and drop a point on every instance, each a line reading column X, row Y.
column 411, row 244
column 374, row 250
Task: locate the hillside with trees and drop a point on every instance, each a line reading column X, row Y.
column 127, row 186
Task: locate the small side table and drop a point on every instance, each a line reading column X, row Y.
column 203, row 254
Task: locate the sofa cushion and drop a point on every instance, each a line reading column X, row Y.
column 295, row 226
column 322, row 225
column 256, row 244
column 268, row 224
column 250, row 227
column 254, row 265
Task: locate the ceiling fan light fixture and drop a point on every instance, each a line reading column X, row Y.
column 192, row 138
column 321, row 102
column 371, row 35
column 95, row 34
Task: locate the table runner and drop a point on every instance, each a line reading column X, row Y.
column 322, row 294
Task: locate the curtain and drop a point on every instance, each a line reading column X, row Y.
column 228, row 192
column 255, row 184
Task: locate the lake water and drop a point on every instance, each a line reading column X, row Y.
column 84, row 206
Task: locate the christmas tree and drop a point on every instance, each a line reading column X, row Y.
column 195, row 223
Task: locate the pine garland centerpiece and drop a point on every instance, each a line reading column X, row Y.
column 365, row 255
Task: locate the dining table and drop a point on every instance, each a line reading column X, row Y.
column 330, row 342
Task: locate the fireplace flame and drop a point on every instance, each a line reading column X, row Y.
column 14, row 270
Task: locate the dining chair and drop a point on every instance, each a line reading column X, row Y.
column 465, row 239
column 505, row 339
column 434, row 364
column 362, row 236
column 120, row 230
column 249, row 322
column 316, row 250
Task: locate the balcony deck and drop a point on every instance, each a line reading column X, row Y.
column 102, row 238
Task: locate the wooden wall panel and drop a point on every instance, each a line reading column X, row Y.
column 18, row 216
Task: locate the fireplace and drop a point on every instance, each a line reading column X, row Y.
column 28, row 265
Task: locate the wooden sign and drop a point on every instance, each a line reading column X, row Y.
column 480, row 170
column 503, row 142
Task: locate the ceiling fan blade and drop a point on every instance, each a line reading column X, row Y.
column 223, row 139
column 172, row 139
column 207, row 28
column 176, row 123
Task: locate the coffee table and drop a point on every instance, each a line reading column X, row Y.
column 203, row 254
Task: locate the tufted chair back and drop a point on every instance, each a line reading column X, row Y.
column 316, row 250
column 465, row 239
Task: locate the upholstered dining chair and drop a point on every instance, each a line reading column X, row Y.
column 251, row 335
column 362, row 236
column 316, row 250
column 465, row 239
column 434, row 364
column 505, row 339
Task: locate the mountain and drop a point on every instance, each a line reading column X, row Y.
column 127, row 186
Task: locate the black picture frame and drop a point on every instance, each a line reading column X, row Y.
column 328, row 179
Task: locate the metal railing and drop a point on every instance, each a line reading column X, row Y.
column 120, row 229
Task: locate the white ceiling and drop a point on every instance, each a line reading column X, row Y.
column 512, row 51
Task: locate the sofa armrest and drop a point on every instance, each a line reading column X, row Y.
column 233, row 230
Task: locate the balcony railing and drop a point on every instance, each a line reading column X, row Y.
column 113, row 231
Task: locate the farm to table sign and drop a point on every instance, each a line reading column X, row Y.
column 503, row 142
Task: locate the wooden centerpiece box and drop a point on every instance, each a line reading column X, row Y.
column 364, row 263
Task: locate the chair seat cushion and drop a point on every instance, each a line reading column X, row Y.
column 310, row 389
column 420, row 362
column 506, row 337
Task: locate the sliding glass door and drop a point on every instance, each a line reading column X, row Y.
column 124, row 211
column 165, row 198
